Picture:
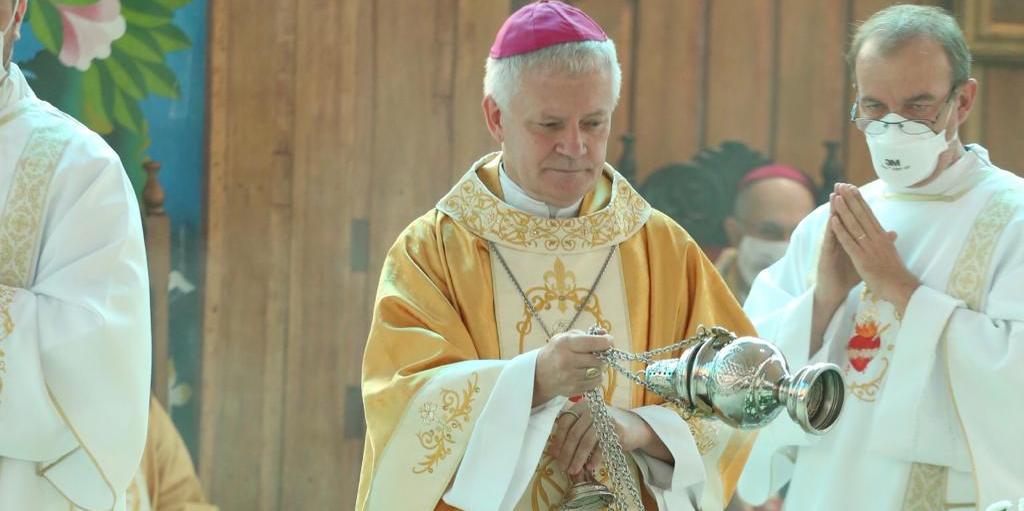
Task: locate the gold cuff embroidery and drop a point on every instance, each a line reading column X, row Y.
column 443, row 419
column 473, row 206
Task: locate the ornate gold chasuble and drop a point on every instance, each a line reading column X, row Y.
column 448, row 318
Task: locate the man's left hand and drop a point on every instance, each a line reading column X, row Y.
column 574, row 442
column 872, row 249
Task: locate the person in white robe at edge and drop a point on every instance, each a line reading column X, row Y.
column 914, row 285
column 74, row 306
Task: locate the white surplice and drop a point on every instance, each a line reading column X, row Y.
column 932, row 413
column 74, row 313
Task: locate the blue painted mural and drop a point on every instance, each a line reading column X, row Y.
column 134, row 71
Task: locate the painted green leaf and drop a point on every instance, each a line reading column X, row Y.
column 160, row 80
column 46, row 25
column 145, row 14
column 170, row 38
column 74, row 2
column 94, row 111
column 174, row 4
column 127, row 112
column 138, row 44
column 124, row 80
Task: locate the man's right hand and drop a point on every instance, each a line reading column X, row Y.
column 836, row 276
column 836, row 273
column 563, row 364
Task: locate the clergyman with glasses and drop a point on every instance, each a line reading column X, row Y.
column 914, row 284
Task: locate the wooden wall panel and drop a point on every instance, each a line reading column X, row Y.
column 741, row 72
column 1004, row 116
column 477, row 22
column 248, row 280
column 669, row 85
column 809, row 104
column 319, row 351
column 412, row 116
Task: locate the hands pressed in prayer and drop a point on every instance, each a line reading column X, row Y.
column 855, row 249
column 836, row 272
column 836, row 276
column 567, row 366
column 871, row 249
column 574, row 440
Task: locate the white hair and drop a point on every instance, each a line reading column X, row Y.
column 503, row 76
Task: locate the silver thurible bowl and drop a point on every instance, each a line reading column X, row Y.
column 746, row 383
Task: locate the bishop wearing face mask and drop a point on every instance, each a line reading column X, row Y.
column 770, row 202
column 913, row 284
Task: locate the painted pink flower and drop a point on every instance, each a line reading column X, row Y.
column 89, row 30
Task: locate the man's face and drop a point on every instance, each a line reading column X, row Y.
column 772, row 209
column 554, row 133
column 914, row 81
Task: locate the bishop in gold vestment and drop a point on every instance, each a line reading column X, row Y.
column 528, row 238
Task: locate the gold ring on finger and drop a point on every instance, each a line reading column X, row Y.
column 592, row 372
column 862, row 236
column 569, row 412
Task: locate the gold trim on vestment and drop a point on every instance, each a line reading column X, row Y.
column 22, row 219
column 926, row 487
column 471, row 204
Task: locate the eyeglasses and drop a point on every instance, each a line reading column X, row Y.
column 873, row 126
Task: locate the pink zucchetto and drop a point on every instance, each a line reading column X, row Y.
column 779, row 171
column 542, row 24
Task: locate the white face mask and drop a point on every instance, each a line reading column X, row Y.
column 903, row 160
column 756, row 254
column 3, row 34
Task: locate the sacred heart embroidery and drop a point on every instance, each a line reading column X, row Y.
column 863, row 346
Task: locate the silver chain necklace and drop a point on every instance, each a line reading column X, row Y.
column 529, row 304
column 607, row 437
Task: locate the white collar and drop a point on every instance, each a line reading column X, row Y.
column 13, row 89
column 516, row 197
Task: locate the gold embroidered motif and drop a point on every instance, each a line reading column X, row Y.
column 867, row 361
column 474, row 206
column 926, row 487
column 6, row 327
column 705, row 434
column 868, row 391
column 967, row 282
column 443, row 419
column 26, row 200
column 22, row 220
column 549, row 485
column 559, row 289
